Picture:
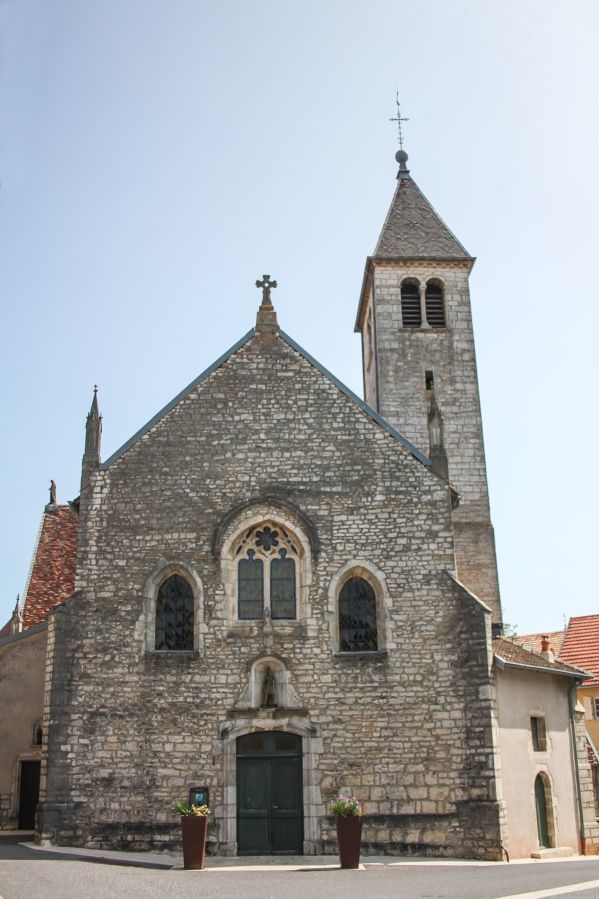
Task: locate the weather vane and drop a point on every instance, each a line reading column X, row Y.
column 399, row 119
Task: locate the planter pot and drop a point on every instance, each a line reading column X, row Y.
column 194, row 828
column 349, row 837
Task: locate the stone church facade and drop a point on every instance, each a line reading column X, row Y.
column 283, row 592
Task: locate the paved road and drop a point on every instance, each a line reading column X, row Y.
column 30, row 874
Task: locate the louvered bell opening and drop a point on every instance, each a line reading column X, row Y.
column 410, row 306
column 435, row 306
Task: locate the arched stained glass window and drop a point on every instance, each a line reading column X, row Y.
column 357, row 617
column 411, row 315
column 250, row 582
column 282, row 586
column 266, row 572
column 174, row 615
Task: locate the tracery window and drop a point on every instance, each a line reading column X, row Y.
column 435, row 305
column 266, row 572
column 411, row 313
column 174, row 615
column 357, row 617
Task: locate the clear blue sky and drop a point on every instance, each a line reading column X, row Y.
column 157, row 157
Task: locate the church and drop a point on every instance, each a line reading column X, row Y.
column 276, row 591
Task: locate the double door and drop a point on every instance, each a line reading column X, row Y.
column 269, row 795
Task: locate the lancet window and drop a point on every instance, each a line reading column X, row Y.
column 267, row 557
column 357, row 617
column 174, row 615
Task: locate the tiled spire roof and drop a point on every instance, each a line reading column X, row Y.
column 52, row 576
column 412, row 229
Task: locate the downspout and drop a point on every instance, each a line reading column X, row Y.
column 571, row 707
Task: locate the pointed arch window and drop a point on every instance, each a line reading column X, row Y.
column 435, row 305
column 174, row 615
column 267, row 573
column 357, row 617
column 411, row 315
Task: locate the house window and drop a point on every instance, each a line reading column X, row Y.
column 435, row 305
column 411, row 315
column 595, row 706
column 357, row 617
column 267, row 573
column 37, row 733
column 539, row 734
column 174, row 615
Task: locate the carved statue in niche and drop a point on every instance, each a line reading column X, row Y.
column 269, row 698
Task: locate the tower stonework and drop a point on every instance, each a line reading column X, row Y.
column 419, row 271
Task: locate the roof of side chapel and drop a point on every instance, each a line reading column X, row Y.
column 413, row 229
column 52, row 574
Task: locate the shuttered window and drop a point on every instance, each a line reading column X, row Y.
column 435, row 305
column 410, row 305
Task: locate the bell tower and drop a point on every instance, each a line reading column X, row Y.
column 419, row 364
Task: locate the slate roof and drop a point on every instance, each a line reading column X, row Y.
column 532, row 642
column 52, row 575
column 514, row 656
column 581, row 645
column 413, row 230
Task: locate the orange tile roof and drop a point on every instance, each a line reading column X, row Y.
column 513, row 654
column 532, row 642
column 581, row 645
column 52, row 577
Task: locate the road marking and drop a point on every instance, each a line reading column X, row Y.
column 555, row 891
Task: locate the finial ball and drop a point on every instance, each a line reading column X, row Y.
column 401, row 156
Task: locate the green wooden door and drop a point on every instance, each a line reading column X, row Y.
column 541, row 804
column 269, row 794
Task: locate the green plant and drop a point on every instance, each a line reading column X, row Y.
column 346, row 806
column 199, row 810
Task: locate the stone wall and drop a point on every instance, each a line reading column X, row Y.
column 22, row 662
column 408, row 728
column 403, row 355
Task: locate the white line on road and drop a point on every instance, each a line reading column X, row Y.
column 555, row 891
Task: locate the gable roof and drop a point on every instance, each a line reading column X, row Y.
column 52, row 574
column 413, row 230
column 510, row 655
column 533, row 642
column 581, row 645
column 221, row 361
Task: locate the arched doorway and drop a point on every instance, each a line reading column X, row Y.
column 544, row 807
column 269, row 794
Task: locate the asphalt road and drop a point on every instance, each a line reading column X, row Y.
column 30, row 874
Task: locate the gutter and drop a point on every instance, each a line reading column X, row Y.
column 571, row 707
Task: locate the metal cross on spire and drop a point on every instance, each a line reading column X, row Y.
column 266, row 285
column 399, row 119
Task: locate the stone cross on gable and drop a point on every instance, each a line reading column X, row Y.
column 266, row 285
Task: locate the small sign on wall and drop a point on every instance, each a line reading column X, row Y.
column 199, row 796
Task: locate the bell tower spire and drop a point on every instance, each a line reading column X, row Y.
column 416, row 324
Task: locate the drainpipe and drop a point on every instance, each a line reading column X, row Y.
column 571, row 707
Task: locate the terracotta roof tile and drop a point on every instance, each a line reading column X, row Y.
column 581, row 645
column 52, row 578
column 532, row 642
column 516, row 655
